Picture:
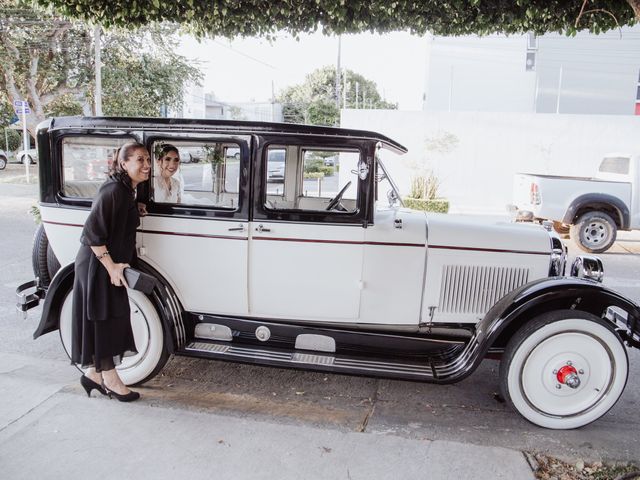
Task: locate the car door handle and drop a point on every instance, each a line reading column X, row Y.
column 237, row 229
column 260, row 228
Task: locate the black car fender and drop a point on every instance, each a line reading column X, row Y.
column 163, row 298
column 515, row 309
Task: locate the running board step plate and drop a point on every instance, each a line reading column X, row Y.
column 401, row 368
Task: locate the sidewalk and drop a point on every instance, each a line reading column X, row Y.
column 49, row 429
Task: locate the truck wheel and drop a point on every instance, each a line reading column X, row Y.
column 147, row 333
column 594, row 232
column 564, row 369
column 3, row 163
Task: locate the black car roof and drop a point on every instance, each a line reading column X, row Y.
column 242, row 127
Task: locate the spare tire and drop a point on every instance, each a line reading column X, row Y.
column 44, row 262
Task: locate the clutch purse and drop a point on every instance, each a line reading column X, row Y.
column 140, row 281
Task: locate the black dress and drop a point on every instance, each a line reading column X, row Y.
column 101, row 328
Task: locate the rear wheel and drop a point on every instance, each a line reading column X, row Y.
column 594, row 232
column 147, row 333
column 44, row 262
column 27, row 160
column 3, row 163
column 564, row 369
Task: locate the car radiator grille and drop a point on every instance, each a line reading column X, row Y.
column 474, row 289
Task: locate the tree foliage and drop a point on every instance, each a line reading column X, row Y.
column 451, row 17
column 49, row 61
column 314, row 101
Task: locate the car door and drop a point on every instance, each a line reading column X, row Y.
column 305, row 262
column 200, row 244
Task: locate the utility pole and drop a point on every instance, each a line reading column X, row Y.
column 338, row 73
column 344, row 90
column 357, row 93
column 98, row 69
column 559, row 91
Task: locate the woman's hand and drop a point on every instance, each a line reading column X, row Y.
column 116, row 272
column 142, row 209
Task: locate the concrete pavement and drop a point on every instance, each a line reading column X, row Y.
column 49, row 429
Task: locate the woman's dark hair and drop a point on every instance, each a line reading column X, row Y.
column 119, row 157
column 166, row 148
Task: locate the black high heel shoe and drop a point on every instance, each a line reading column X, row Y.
column 89, row 385
column 127, row 397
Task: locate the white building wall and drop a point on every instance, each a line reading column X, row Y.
column 477, row 175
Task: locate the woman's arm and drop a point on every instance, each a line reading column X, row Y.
column 116, row 270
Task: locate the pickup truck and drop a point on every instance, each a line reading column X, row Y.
column 591, row 210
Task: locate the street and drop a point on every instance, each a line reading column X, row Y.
column 468, row 412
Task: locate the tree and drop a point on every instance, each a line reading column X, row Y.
column 48, row 61
column 314, row 101
column 449, row 17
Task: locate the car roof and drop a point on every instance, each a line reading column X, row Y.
column 242, row 127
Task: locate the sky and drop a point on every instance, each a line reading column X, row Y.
column 245, row 69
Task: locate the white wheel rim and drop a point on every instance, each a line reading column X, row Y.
column 147, row 334
column 589, row 356
column 596, row 234
column 592, row 349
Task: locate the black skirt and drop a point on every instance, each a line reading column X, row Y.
column 100, row 344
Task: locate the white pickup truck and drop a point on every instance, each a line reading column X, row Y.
column 592, row 210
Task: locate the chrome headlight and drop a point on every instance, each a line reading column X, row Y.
column 558, row 261
column 586, row 266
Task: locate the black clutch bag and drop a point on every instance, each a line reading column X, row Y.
column 139, row 280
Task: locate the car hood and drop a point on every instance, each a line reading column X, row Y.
column 486, row 233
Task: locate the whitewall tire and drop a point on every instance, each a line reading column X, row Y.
column 147, row 333
column 564, row 369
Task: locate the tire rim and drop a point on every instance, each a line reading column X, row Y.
column 544, row 391
column 596, row 234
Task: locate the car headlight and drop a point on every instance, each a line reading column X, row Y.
column 586, row 266
column 558, row 261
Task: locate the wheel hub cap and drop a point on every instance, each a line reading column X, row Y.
column 568, row 376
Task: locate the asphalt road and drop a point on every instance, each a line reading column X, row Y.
column 468, row 412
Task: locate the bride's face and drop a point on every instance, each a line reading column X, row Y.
column 168, row 164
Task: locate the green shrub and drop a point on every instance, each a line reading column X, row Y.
column 438, row 205
column 313, row 174
column 328, row 171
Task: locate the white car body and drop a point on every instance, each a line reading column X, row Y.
column 336, row 279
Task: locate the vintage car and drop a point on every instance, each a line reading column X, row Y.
column 336, row 277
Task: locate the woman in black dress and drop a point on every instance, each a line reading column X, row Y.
column 101, row 330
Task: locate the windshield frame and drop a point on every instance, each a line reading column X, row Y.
column 386, row 175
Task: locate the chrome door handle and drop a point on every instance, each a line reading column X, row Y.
column 262, row 229
column 237, row 229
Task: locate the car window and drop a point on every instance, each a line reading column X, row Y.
column 321, row 175
column 208, row 174
column 85, row 163
column 615, row 165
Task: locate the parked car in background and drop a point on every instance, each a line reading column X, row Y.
column 590, row 209
column 3, row 159
column 344, row 280
column 30, row 156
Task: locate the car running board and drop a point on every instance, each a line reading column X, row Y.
column 420, row 369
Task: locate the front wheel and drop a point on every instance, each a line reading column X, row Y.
column 147, row 333
column 594, row 232
column 3, row 163
column 27, row 160
column 564, row 369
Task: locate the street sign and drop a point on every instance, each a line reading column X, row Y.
column 21, row 107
